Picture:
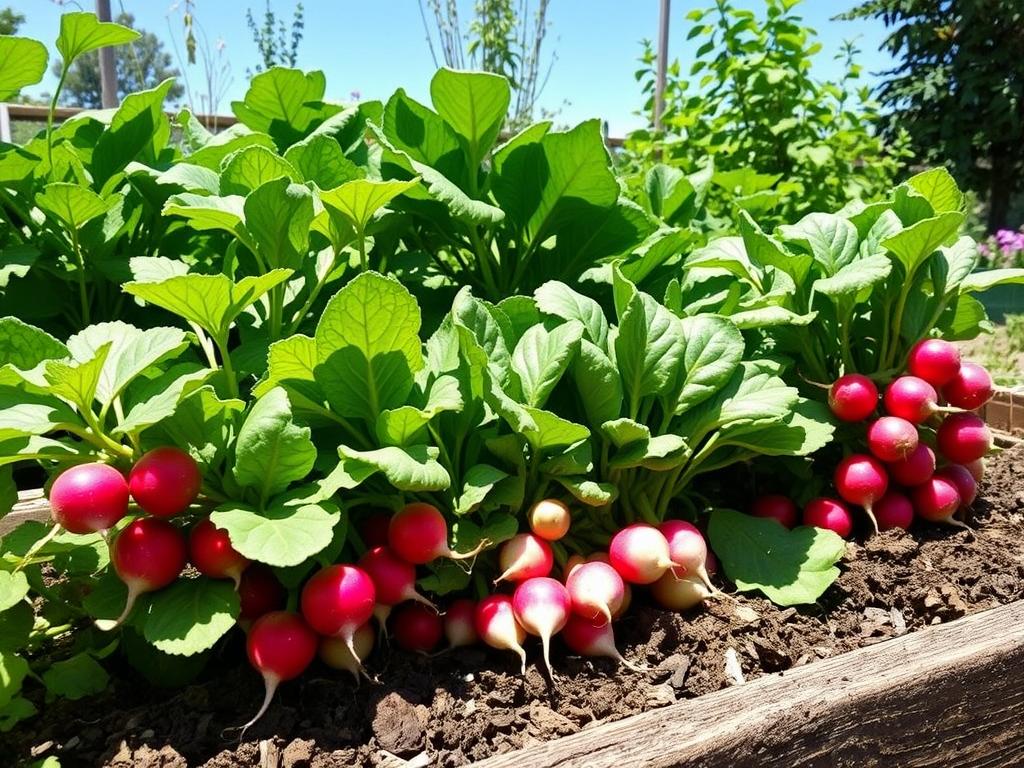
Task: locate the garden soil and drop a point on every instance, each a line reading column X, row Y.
column 467, row 705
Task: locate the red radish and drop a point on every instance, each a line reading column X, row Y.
column 280, row 647
column 550, row 519
column 418, row 534
column 165, row 481
column 916, row 468
column 639, row 552
column 830, row 514
column 542, row 606
column 147, row 555
column 891, row 438
column 679, row 594
column 417, row 627
column 394, row 580
column 776, row 507
column 596, row 591
column 210, row 551
column 337, row 600
column 496, row 624
column 934, row 360
column 687, row 549
column 458, row 624
column 259, row 592
column 588, row 638
column 970, row 389
column 911, row 398
column 711, row 563
column 89, row 498
column 335, row 653
column 861, row 480
column 964, row 481
column 374, row 530
column 571, row 564
column 894, row 510
column 937, row 501
column 976, row 468
column 853, row 397
column 963, row 437
column 524, row 556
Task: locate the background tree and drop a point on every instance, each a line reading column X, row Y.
column 10, row 21
column 140, row 65
column 278, row 46
column 958, row 88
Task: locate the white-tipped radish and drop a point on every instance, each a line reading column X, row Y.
column 687, row 549
column 550, row 519
column 596, row 591
column 680, row 594
column 335, row 653
column 338, row 600
column 571, row 564
column 280, row 647
column 418, row 534
column 542, row 606
column 459, row 628
column 394, row 580
column 588, row 638
column 524, row 556
column 496, row 625
column 639, row 552
column 976, row 468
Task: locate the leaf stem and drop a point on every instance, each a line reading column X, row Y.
column 50, row 114
column 83, row 295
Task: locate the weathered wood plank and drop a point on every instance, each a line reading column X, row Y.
column 31, row 506
column 947, row 695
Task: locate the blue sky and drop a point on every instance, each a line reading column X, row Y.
column 375, row 46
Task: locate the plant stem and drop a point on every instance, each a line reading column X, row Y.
column 361, row 238
column 82, row 292
column 36, row 547
column 49, row 116
column 229, row 371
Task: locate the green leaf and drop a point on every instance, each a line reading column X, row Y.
column 209, row 212
column 291, row 363
column 660, row 453
column 830, row 239
column 73, row 204
column 284, row 103
column 251, row 167
column 13, row 588
column 77, row 381
column 278, row 215
column 139, row 129
column 919, row 241
column 477, row 484
column 541, row 357
column 808, row 429
column 12, row 671
column 22, row 62
column 320, row 159
column 272, row 451
column 552, row 431
column 191, row 615
column 622, row 432
column 764, row 317
column 283, row 535
column 589, row 492
column 855, row 277
column 558, row 299
column 357, row 201
column 75, row 678
column 25, row 346
column 939, row 188
column 15, row 627
column 16, row 261
column 24, row 413
column 976, row 282
column 203, row 425
column 474, row 104
column 598, row 383
column 83, row 32
column 411, row 468
column 714, row 348
column 14, row 712
column 161, row 397
column 791, row 567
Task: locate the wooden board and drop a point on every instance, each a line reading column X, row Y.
column 31, row 506
column 949, row 695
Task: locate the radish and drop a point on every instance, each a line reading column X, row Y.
column 639, row 552
column 963, row 437
column 971, row 388
column 418, row 534
column 496, row 624
column 894, row 510
column 374, row 530
column 458, row 624
column 417, row 627
column 861, row 480
column 210, row 551
column 588, row 638
column 891, row 438
column 596, row 591
column 259, row 592
column 571, row 564
column 679, row 594
column 89, row 498
column 916, row 468
column 550, row 519
column 964, row 481
column 147, row 555
column 934, row 360
column 542, row 606
column 337, row 600
column 911, row 398
column 165, row 481
column 776, row 507
column 394, row 580
column 687, row 549
column 976, row 468
column 853, row 397
column 335, row 653
column 524, row 556
column 937, row 501
column 280, row 647
column 830, row 514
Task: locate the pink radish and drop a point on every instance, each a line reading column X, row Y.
column 335, row 653
column 337, row 600
column 964, row 481
column 596, row 591
column 639, row 552
column 911, row 398
column 934, row 360
column 210, row 551
column 418, row 534
column 687, row 549
column 88, row 498
column 830, row 514
column 571, row 564
column 853, row 397
column 165, row 481
column 976, row 468
column 776, row 507
column 542, row 606
column 374, row 530
column 147, row 555
column 916, row 468
column 550, row 519
column 458, row 624
column 963, row 437
column 394, row 580
column 280, row 647
column 937, row 501
column 970, row 389
column 259, row 592
column 588, row 638
column 861, row 480
column 894, row 510
column 417, row 627
column 891, row 438
column 497, row 626
column 679, row 594
column 524, row 556
column 711, row 563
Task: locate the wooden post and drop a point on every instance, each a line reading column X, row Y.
column 5, row 123
column 108, row 74
column 659, row 85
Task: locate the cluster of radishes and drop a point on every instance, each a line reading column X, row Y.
column 900, row 475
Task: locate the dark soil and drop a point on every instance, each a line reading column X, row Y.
column 467, row 705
